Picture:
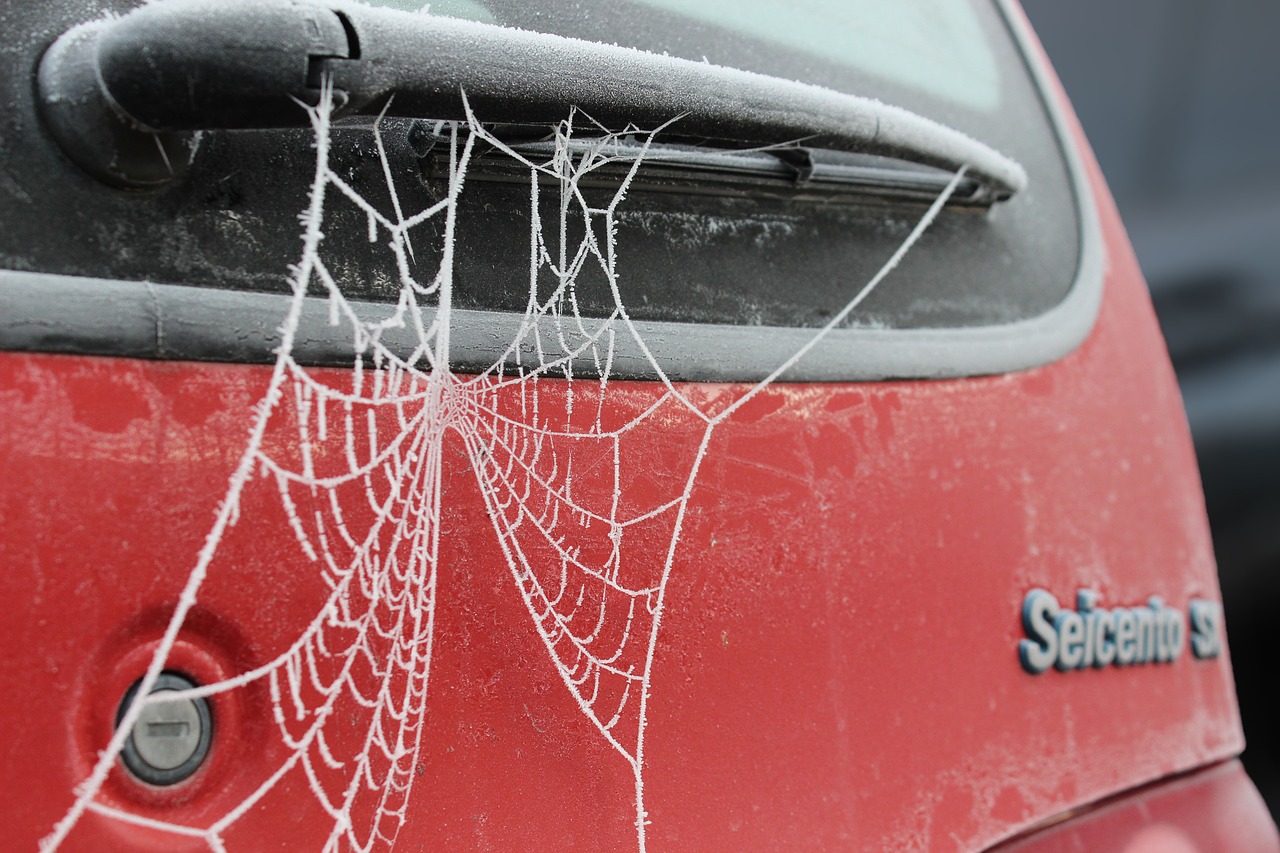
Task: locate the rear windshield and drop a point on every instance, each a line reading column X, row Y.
column 686, row 253
column 935, row 46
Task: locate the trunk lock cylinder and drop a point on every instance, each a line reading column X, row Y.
column 170, row 740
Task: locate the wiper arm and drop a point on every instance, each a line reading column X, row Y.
column 125, row 96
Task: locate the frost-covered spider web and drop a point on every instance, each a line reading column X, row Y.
column 356, row 467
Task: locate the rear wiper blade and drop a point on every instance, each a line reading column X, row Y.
column 797, row 167
column 125, row 97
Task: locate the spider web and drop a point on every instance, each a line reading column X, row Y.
column 356, row 468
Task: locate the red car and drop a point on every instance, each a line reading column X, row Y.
column 507, row 425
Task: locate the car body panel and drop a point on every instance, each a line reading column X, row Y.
column 1214, row 809
column 838, row 663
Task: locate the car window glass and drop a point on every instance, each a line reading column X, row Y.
column 689, row 250
column 937, row 46
column 468, row 10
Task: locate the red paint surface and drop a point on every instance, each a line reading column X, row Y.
column 837, row 668
column 1216, row 810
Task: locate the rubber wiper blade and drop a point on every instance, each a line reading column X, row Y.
column 126, row 96
column 785, row 171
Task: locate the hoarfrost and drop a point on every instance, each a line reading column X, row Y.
column 360, row 485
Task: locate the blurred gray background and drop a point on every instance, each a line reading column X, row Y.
column 1181, row 101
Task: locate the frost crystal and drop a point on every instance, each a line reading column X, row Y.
column 356, row 465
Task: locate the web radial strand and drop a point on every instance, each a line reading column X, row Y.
column 350, row 462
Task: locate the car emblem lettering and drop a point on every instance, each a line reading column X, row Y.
column 1097, row 637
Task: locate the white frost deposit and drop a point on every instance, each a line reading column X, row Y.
column 360, row 484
